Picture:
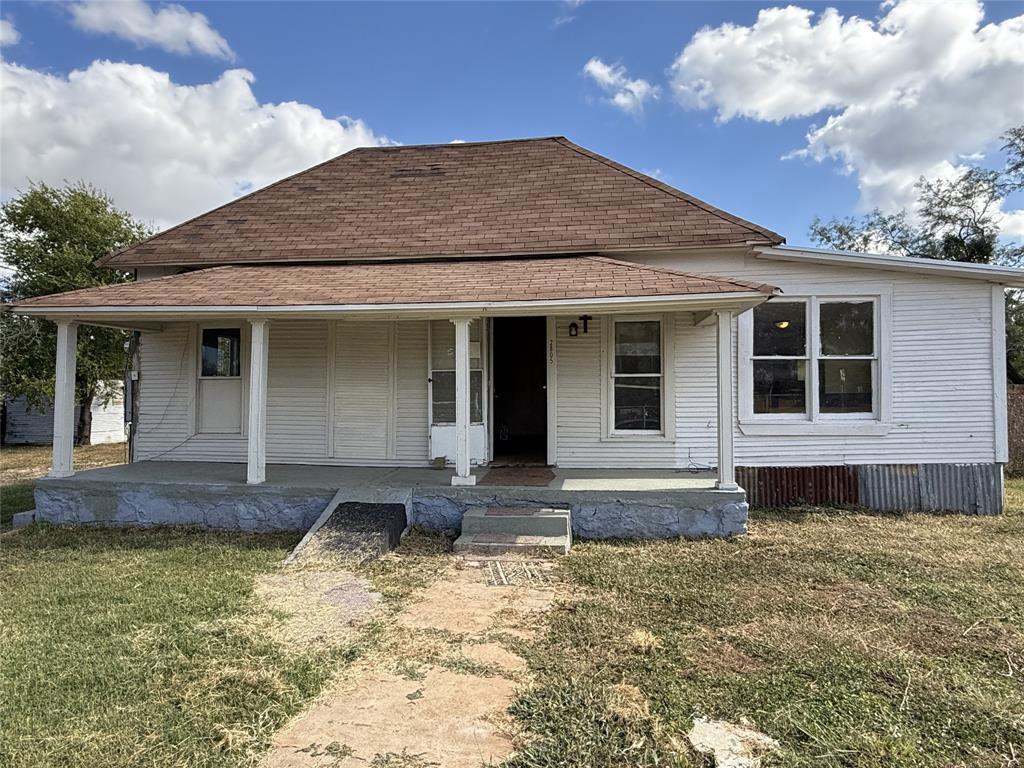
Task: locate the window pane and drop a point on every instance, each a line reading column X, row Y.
column 844, row 386
column 442, row 343
column 476, row 396
column 638, row 403
column 638, row 347
column 780, row 329
column 780, row 386
column 221, row 351
column 847, row 328
column 443, row 391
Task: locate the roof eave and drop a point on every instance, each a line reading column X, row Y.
column 144, row 318
column 1007, row 276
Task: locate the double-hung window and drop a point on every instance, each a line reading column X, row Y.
column 815, row 360
column 637, row 377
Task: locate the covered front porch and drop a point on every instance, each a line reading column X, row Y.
column 609, row 503
column 245, row 367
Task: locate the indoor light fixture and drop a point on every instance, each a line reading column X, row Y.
column 782, row 324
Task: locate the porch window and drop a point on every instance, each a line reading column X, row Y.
column 815, row 358
column 442, row 372
column 221, row 352
column 637, row 376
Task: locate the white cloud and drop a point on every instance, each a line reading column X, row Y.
column 163, row 151
column 1011, row 224
column 172, row 27
column 9, row 35
column 906, row 95
column 569, row 8
column 628, row 95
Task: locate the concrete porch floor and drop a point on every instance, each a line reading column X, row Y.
column 318, row 476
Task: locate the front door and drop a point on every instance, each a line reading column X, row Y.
column 519, row 381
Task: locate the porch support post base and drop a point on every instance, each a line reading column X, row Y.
column 467, row 480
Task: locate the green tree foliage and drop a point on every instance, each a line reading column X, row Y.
column 955, row 219
column 49, row 240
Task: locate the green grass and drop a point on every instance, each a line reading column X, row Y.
column 140, row 648
column 14, row 499
column 854, row 639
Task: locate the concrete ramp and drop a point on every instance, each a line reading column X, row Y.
column 352, row 530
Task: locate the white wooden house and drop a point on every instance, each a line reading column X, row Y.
column 531, row 302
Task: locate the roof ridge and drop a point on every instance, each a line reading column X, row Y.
column 455, row 144
column 677, row 273
column 668, row 189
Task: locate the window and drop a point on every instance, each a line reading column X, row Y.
column 847, row 357
column 815, row 359
column 780, row 357
column 637, row 376
column 442, row 373
column 221, row 352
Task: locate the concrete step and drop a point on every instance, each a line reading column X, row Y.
column 526, row 521
column 505, row 545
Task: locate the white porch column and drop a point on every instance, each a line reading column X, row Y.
column 726, row 460
column 462, row 410
column 258, row 348
column 64, row 400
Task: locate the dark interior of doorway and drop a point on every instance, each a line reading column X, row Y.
column 520, row 391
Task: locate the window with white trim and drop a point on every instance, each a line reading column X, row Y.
column 815, row 358
column 637, row 377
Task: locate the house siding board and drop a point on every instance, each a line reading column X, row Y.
column 297, row 391
column 363, row 392
column 411, row 432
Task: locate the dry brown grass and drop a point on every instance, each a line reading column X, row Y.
column 19, row 463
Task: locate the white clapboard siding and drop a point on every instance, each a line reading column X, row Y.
column 297, row 391
column 167, row 398
column 380, row 396
column 941, row 346
column 411, row 430
column 364, row 391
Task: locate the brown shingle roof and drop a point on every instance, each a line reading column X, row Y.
column 418, row 282
column 525, row 197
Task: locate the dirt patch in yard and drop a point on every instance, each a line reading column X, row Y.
column 318, row 608
column 436, row 689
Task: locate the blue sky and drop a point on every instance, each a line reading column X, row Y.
column 436, row 72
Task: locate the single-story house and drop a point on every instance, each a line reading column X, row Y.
column 532, row 303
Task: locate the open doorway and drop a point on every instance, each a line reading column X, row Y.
column 519, row 376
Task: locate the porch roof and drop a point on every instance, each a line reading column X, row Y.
column 509, row 284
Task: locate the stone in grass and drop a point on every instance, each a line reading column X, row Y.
column 731, row 745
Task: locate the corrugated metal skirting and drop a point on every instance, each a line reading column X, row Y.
column 975, row 489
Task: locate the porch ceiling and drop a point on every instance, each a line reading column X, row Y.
column 507, row 286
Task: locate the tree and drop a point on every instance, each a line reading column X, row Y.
column 956, row 219
column 49, row 240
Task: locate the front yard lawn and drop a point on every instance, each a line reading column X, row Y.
column 853, row 639
column 133, row 648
